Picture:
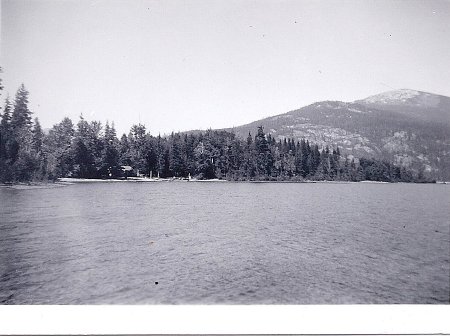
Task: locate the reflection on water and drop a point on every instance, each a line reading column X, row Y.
column 225, row 243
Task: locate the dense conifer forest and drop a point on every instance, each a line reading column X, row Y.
column 89, row 149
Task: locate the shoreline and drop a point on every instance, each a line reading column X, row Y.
column 145, row 179
column 67, row 181
column 35, row 185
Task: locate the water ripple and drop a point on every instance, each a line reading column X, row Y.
column 225, row 243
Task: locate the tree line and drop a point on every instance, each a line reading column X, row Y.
column 88, row 149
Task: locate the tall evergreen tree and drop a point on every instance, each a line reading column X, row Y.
column 6, row 135
column 110, row 155
column 176, row 163
column 21, row 116
column 249, row 158
column 84, row 151
column 38, row 136
column 21, row 155
column 124, row 151
column 150, row 156
column 37, row 154
column 138, row 144
column 264, row 158
column 58, row 149
column 160, row 152
column 205, row 155
column 5, row 130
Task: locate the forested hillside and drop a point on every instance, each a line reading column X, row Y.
column 88, row 149
column 406, row 127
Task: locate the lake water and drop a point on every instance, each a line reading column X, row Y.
column 225, row 243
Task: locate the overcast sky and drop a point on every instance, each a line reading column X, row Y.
column 190, row 64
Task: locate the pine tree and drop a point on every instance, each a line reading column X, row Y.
column 160, row 151
column 21, row 151
column 263, row 155
column 315, row 158
column 150, row 156
column 5, row 130
column 190, row 143
column 176, row 164
column 305, row 151
column 124, row 151
column 83, row 153
column 96, row 146
column 110, row 155
column 37, row 153
column 334, row 165
column 237, row 157
column 21, row 117
column 6, row 135
column 138, row 144
column 204, row 158
column 278, row 161
column 38, row 136
column 325, row 164
column 58, row 149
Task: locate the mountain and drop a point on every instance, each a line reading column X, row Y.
column 410, row 128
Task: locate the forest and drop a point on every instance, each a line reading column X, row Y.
column 89, row 149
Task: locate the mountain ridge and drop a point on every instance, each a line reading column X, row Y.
column 420, row 104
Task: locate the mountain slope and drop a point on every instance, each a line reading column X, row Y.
column 409, row 127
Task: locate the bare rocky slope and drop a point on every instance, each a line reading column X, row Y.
column 410, row 128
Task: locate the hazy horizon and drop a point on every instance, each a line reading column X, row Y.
column 182, row 65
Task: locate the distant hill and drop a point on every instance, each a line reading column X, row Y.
column 411, row 128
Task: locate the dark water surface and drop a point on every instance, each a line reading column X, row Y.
column 230, row 243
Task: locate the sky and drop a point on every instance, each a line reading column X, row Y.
column 177, row 65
